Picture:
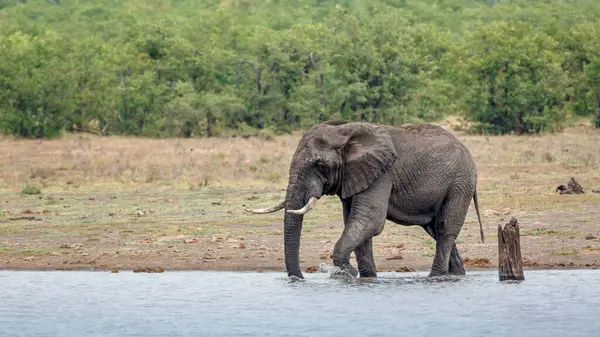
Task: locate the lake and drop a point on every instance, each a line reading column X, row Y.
column 207, row 303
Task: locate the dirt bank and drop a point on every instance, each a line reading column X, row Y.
column 107, row 203
column 109, row 232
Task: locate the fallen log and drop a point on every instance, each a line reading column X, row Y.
column 510, row 266
column 573, row 187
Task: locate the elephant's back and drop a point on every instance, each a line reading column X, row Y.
column 425, row 137
column 425, row 131
column 430, row 147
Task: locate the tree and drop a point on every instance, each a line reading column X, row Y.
column 582, row 47
column 515, row 79
column 190, row 68
column 36, row 86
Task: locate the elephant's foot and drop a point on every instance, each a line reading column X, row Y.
column 367, row 273
column 457, row 271
column 434, row 273
column 344, row 271
column 456, row 266
column 437, row 273
column 442, row 274
column 364, row 259
column 366, row 266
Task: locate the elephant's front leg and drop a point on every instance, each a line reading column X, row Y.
column 365, row 260
column 364, row 251
column 365, row 219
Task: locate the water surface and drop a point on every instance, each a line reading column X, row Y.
column 204, row 303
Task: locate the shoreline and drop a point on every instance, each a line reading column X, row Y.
column 272, row 270
column 232, row 266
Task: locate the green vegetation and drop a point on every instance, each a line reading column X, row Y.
column 202, row 68
column 565, row 252
column 30, row 190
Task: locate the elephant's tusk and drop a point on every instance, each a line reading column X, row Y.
column 309, row 205
column 267, row 210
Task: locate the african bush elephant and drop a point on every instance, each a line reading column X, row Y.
column 415, row 175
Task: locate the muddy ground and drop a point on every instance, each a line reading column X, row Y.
column 207, row 229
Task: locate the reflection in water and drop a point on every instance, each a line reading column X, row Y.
column 192, row 303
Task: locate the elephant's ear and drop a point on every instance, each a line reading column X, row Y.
column 368, row 152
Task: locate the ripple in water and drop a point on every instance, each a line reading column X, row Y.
column 193, row 303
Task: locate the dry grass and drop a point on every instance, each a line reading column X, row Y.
column 93, row 188
column 522, row 172
column 514, row 172
column 123, row 162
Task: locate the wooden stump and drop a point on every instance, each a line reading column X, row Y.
column 509, row 252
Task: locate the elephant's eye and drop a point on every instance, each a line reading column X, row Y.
column 321, row 166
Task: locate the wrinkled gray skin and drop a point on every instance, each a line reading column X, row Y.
column 417, row 175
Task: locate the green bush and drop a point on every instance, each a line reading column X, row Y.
column 30, row 190
column 582, row 48
column 516, row 80
column 35, row 85
column 202, row 68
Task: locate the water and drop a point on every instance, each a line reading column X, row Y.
column 203, row 303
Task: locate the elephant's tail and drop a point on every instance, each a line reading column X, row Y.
column 478, row 216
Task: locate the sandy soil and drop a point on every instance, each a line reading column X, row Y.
column 109, row 234
column 119, row 203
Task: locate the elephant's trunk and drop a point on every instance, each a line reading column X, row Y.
column 291, row 232
column 296, row 205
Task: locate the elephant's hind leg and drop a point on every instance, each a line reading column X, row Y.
column 455, row 264
column 448, row 225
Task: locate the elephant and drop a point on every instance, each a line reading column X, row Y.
column 411, row 175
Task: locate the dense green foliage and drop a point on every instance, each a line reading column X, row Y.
column 192, row 68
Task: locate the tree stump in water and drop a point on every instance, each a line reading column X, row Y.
column 509, row 252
